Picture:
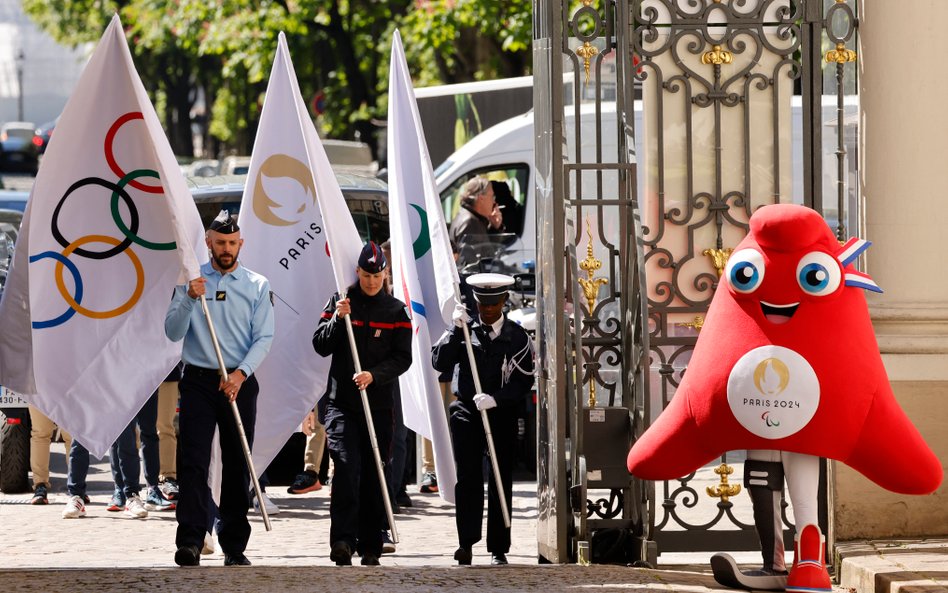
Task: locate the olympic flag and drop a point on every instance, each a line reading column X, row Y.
column 424, row 269
column 109, row 229
column 289, row 204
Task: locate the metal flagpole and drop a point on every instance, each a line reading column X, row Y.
column 371, row 426
column 240, row 425
column 487, row 433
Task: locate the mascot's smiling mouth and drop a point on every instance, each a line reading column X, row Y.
column 778, row 313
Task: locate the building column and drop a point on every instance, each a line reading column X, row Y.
column 903, row 147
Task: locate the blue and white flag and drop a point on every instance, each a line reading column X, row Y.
column 423, row 271
column 289, row 204
column 109, row 229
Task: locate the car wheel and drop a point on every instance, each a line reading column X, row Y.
column 14, row 457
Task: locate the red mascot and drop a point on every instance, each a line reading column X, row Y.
column 788, row 367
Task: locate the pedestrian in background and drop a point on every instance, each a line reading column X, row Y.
column 240, row 305
column 41, row 436
column 167, row 435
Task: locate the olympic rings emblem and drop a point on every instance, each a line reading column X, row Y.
column 129, row 232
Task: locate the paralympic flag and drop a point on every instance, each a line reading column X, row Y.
column 109, row 229
column 424, row 269
column 290, row 201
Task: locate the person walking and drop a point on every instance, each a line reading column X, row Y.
column 382, row 332
column 503, row 354
column 167, row 435
column 41, row 435
column 126, row 465
column 240, row 305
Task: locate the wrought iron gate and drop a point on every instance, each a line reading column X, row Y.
column 660, row 126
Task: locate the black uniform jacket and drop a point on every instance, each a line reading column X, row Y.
column 504, row 364
column 383, row 339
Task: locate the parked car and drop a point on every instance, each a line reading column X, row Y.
column 42, row 135
column 17, row 151
column 235, row 165
column 203, row 168
column 368, row 201
column 15, row 417
column 367, row 198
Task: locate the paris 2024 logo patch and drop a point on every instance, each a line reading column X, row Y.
column 773, row 392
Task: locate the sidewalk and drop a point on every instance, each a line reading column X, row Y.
column 892, row 566
column 109, row 552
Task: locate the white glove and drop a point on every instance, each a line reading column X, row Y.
column 460, row 315
column 484, row 401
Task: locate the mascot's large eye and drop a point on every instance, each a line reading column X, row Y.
column 745, row 270
column 818, row 273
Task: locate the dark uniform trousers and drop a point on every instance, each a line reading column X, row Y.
column 356, row 507
column 470, row 453
column 204, row 406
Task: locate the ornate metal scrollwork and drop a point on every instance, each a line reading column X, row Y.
column 606, row 509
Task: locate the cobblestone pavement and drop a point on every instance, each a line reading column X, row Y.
column 41, row 551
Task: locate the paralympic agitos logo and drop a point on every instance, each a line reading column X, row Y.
column 76, row 247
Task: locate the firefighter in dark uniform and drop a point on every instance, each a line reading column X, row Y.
column 503, row 353
column 383, row 339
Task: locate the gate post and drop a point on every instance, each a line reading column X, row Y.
column 592, row 346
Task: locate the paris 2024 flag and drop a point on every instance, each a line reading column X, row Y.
column 291, row 204
column 109, row 229
column 424, row 273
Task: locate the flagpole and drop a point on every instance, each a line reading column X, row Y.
column 371, row 428
column 240, row 424
column 490, row 438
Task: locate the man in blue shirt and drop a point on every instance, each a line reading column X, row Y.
column 241, row 309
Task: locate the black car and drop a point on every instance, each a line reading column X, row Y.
column 42, row 135
column 368, row 201
column 18, row 154
column 367, row 198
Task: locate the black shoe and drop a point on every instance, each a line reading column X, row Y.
column 388, row 546
column 370, row 560
column 187, row 556
column 463, row 556
column 341, row 554
column 498, row 559
column 307, row 481
column 236, row 560
column 40, row 495
column 402, row 499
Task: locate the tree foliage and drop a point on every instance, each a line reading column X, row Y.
column 216, row 55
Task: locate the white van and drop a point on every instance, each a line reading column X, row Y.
column 506, row 152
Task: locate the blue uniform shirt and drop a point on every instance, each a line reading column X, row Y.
column 240, row 307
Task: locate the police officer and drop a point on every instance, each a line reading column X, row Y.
column 242, row 312
column 503, row 353
column 383, row 339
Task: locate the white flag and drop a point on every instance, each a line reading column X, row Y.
column 109, row 229
column 290, row 200
column 424, row 272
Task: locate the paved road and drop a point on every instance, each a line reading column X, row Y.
column 16, row 181
column 40, row 551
